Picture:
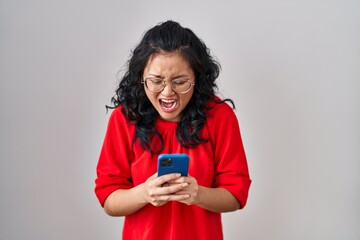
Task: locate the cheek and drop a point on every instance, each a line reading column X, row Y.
column 151, row 96
column 186, row 99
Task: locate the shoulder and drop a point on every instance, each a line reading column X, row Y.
column 117, row 111
column 221, row 117
column 218, row 109
column 221, row 123
column 117, row 116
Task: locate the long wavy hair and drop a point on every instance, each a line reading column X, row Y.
column 168, row 37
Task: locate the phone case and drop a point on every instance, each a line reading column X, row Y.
column 173, row 163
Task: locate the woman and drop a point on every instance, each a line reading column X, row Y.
column 166, row 103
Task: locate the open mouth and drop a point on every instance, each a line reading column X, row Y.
column 168, row 105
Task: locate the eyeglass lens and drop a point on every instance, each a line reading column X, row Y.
column 157, row 85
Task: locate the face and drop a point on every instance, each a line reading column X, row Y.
column 169, row 67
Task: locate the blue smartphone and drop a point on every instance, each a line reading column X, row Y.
column 173, row 163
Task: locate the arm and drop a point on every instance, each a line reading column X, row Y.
column 123, row 202
column 231, row 180
column 231, row 166
column 211, row 199
column 217, row 200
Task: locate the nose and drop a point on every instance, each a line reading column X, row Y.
column 167, row 91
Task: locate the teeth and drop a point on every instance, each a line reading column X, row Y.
column 168, row 104
column 167, row 101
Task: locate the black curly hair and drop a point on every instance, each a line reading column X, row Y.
column 168, row 37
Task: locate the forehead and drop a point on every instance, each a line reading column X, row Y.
column 167, row 64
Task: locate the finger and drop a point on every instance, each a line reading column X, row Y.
column 157, row 202
column 161, row 200
column 181, row 180
column 167, row 178
column 182, row 197
column 171, row 189
column 181, row 192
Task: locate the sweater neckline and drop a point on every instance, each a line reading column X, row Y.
column 161, row 123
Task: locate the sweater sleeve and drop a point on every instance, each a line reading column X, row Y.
column 231, row 170
column 113, row 169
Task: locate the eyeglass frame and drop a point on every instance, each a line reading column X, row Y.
column 143, row 81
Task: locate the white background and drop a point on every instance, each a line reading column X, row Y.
column 292, row 68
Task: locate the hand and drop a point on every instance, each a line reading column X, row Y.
column 192, row 190
column 157, row 191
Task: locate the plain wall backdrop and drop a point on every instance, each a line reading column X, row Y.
column 292, row 68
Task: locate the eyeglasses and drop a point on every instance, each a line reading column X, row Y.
column 156, row 85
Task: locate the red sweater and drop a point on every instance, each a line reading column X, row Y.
column 220, row 162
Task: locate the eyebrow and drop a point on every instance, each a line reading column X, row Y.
column 159, row 76
column 181, row 76
column 155, row 75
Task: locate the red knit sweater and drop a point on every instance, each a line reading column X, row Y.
column 218, row 163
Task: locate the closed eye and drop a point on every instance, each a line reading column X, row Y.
column 156, row 81
column 179, row 82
